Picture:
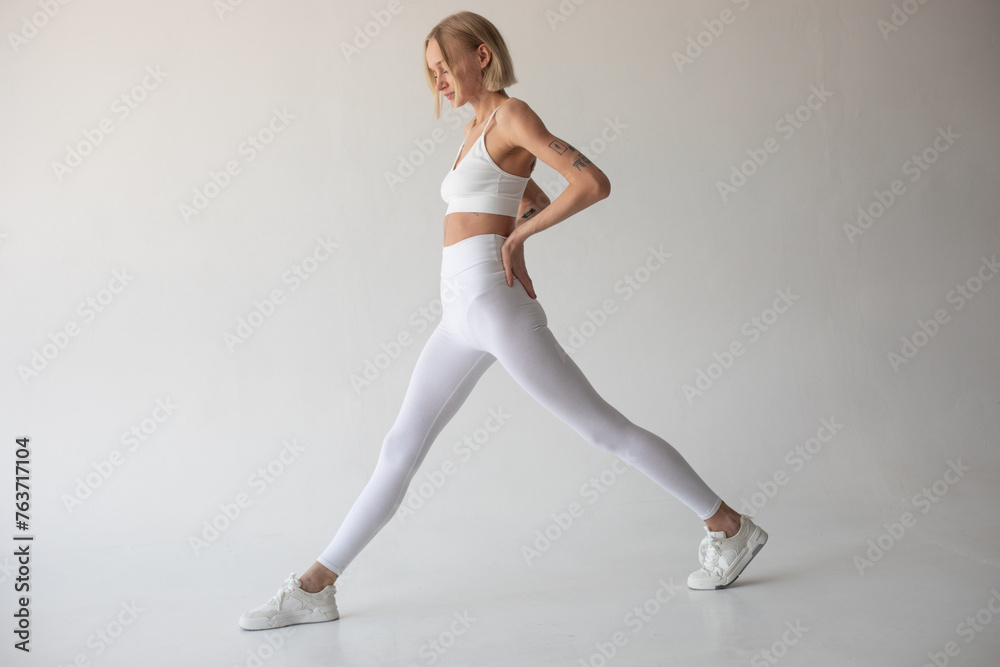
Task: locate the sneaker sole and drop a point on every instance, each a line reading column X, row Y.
column 316, row 616
column 758, row 533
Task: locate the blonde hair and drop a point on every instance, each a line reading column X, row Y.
column 465, row 31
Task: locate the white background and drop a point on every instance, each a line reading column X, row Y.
column 605, row 77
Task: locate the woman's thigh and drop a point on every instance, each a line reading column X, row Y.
column 444, row 375
column 513, row 327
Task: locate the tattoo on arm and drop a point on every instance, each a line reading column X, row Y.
column 581, row 161
column 528, row 214
column 558, row 146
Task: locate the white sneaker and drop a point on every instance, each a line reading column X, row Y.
column 723, row 558
column 292, row 605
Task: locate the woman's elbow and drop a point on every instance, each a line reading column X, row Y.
column 603, row 186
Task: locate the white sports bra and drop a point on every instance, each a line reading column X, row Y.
column 478, row 185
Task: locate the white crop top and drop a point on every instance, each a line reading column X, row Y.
column 478, row 185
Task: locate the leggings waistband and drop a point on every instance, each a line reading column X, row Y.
column 471, row 251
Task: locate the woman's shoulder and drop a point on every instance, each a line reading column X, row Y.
column 516, row 111
column 519, row 122
column 515, row 105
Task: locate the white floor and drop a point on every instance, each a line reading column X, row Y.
column 408, row 600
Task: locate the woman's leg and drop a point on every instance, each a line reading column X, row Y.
column 514, row 328
column 444, row 375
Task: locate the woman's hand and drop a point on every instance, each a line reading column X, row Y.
column 513, row 264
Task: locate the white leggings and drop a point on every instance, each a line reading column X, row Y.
column 484, row 320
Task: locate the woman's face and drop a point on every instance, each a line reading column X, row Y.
column 446, row 77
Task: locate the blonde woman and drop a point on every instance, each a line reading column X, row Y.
column 493, row 208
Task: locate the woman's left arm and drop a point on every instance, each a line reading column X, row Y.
column 587, row 183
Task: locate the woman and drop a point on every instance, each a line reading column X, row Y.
column 491, row 314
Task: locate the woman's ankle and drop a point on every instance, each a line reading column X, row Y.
column 313, row 584
column 317, row 577
column 725, row 519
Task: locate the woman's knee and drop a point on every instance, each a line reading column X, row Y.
column 610, row 432
column 400, row 452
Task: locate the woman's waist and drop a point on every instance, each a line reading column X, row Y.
column 480, row 250
column 463, row 287
column 461, row 225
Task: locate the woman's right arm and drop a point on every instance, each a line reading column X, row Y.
column 532, row 201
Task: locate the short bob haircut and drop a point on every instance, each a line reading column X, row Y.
column 462, row 32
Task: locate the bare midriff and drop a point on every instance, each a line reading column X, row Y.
column 459, row 226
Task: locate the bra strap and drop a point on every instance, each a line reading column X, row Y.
column 489, row 119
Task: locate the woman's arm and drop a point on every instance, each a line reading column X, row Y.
column 587, row 183
column 533, row 201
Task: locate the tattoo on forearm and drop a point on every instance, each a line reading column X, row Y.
column 528, row 214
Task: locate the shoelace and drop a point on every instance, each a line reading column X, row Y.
column 709, row 552
column 286, row 589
